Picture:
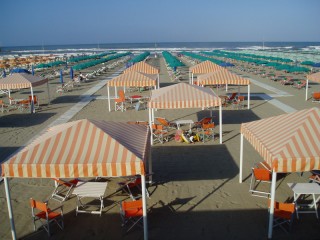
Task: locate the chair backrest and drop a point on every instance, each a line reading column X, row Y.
column 157, row 127
column 122, row 95
column 1, row 102
column 262, row 174
column 163, row 121
column 316, row 95
column 35, row 99
column 38, row 205
column 208, row 126
column 240, row 98
column 205, row 120
column 283, row 210
column 233, row 96
column 132, row 208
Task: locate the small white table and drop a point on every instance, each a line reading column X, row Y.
column 306, row 189
column 181, row 122
column 90, row 190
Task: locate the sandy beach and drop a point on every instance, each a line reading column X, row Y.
column 196, row 191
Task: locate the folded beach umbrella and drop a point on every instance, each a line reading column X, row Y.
column 4, row 74
column 71, row 73
column 32, row 70
column 61, row 77
column 316, row 64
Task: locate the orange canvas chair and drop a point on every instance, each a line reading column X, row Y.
column 283, row 215
column 261, row 173
column 130, row 184
column 120, row 103
column 63, row 189
column 35, row 101
column 131, row 213
column 238, row 102
column 206, row 131
column 164, row 122
column 316, row 97
column 159, row 133
column 43, row 214
column 205, row 120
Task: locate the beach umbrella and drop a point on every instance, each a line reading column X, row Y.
column 71, row 73
column 61, row 77
column 32, row 70
column 20, row 70
column 316, row 64
column 4, row 74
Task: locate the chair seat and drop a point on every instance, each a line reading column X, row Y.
column 51, row 215
column 133, row 212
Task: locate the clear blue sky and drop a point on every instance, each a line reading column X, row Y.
column 50, row 22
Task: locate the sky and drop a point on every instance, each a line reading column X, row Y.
column 53, row 22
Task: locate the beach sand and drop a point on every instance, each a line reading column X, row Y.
column 196, row 191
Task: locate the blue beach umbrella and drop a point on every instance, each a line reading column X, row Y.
column 20, row 70
column 316, row 65
column 32, row 70
column 71, row 73
column 61, row 77
column 4, row 74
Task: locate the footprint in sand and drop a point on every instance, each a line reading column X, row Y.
column 225, row 194
column 218, row 205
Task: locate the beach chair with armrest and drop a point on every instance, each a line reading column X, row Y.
column 46, row 216
column 231, row 97
column 160, row 133
column 63, row 189
column 204, row 120
column 283, row 215
column 261, row 173
column 238, row 102
column 167, row 124
column 132, row 183
column 316, row 97
column 131, row 213
column 120, row 103
column 206, row 131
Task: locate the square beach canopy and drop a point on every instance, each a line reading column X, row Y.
column 315, row 77
column 23, row 80
column 288, row 143
column 144, row 67
column 131, row 79
column 183, row 95
column 83, row 148
column 202, row 68
column 223, row 77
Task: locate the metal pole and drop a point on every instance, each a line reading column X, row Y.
column 144, row 207
column 241, row 158
column 307, row 86
column 220, row 122
column 271, row 209
column 150, row 125
column 248, row 96
column 109, row 99
column 13, row 230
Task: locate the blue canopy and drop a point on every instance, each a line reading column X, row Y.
column 226, row 64
column 20, row 70
column 316, row 65
column 32, row 70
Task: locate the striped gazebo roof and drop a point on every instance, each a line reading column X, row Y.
column 205, row 67
column 183, row 95
column 314, row 77
column 83, row 148
column 143, row 67
column 222, row 77
column 21, row 80
column 133, row 79
column 289, row 142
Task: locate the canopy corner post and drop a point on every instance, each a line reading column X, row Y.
column 150, row 125
column 109, row 105
column 241, row 158
column 271, row 207
column 307, row 86
column 220, row 123
column 248, row 96
column 144, row 207
column 13, row 230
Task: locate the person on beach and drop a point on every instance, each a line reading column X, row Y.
column 81, row 77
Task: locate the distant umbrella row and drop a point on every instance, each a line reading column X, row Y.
column 95, row 56
column 172, row 60
column 139, row 57
column 99, row 61
column 205, row 58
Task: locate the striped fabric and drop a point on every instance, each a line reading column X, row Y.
column 221, row 77
column 133, row 79
column 21, row 80
column 143, row 67
column 314, row 77
column 205, row 67
column 83, row 148
column 183, row 95
column 289, row 142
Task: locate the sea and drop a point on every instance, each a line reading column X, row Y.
column 300, row 50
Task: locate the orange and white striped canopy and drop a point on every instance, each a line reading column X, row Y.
column 183, row 95
column 205, row 67
column 133, row 79
column 315, row 77
column 143, row 67
column 21, row 80
column 222, row 77
column 83, row 148
column 289, row 142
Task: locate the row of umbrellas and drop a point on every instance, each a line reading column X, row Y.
column 172, row 60
column 140, row 57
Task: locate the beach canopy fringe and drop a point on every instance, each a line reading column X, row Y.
column 315, row 77
column 288, row 143
column 83, row 149
column 183, row 95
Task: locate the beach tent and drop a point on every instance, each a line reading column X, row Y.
column 202, row 68
column 83, row 149
column 315, row 77
column 288, row 143
column 183, row 95
column 144, row 67
column 23, row 80
column 131, row 79
column 223, row 77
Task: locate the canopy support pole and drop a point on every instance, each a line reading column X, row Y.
column 32, row 102
column 109, row 105
column 150, row 125
column 192, row 78
column 49, row 99
column 271, row 208
column 226, row 87
column 248, row 97
column 220, row 122
column 150, row 165
column 13, row 230
column 241, row 158
column 158, row 81
column 144, row 207
column 307, row 86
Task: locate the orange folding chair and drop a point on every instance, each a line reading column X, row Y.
column 43, row 214
column 207, row 131
column 164, row 122
column 63, row 189
column 205, row 120
column 130, row 184
column 261, row 173
column 283, row 215
column 131, row 213
column 160, row 133
column 120, row 103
